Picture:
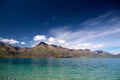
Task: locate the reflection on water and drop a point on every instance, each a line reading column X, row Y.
column 59, row 69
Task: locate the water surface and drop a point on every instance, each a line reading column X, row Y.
column 60, row 69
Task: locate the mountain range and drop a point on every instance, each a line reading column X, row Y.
column 44, row 50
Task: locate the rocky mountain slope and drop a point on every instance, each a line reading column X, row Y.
column 43, row 50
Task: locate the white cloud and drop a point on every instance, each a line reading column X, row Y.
column 85, row 46
column 39, row 37
column 23, row 43
column 115, row 53
column 61, row 41
column 51, row 39
column 10, row 41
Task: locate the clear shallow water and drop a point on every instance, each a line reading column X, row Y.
column 60, row 69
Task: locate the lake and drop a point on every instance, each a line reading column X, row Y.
column 59, row 69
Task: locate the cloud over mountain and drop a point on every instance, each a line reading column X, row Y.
column 39, row 37
column 11, row 41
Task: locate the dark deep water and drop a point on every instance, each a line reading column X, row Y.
column 60, row 69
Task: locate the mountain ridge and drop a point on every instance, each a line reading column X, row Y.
column 44, row 50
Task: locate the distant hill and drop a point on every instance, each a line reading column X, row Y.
column 43, row 50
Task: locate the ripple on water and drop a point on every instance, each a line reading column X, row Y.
column 60, row 69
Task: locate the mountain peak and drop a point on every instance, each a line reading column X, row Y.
column 1, row 43
column 43, row 43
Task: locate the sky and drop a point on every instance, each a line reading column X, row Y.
column 74, row 24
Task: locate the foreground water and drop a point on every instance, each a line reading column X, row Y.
column 60, row 69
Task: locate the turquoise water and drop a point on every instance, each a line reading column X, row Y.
column 60, row 69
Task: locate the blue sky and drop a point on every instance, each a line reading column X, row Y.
column 78, row 24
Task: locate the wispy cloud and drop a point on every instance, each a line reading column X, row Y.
column 96, row 34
